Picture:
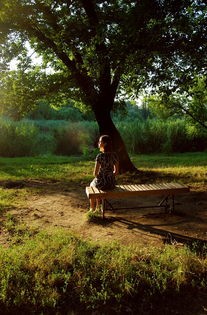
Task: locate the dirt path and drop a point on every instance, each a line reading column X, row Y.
column 66, row 208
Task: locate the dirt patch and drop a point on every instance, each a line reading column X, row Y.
column 54, row 206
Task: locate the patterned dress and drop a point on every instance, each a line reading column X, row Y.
column 105, row 179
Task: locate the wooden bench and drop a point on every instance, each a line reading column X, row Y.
column 167, row 190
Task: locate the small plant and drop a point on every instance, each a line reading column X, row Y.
column 94, row 216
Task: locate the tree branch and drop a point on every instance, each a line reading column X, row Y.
column 81, row 78
column 89, row 8
column 192, row 116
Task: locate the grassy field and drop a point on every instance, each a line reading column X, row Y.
column 55, row 272
column 189, row 166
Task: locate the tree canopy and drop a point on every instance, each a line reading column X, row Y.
column 107, row 48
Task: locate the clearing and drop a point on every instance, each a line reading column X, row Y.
column 48, row 204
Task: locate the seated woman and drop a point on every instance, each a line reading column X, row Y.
column 105, row 170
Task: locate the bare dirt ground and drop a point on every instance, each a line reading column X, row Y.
column 51, row 205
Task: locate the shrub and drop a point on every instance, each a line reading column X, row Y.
column 44, row 144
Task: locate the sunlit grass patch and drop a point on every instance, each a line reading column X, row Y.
column 94, row 217
column 48, row 167
column 186, row 167
column 9, row 198
column 55, row 268
column 170, row 160
column 77, row 168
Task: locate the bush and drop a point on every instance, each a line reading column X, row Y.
column 44, row 111
column 176, row 138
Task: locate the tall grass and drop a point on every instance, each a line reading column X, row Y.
column 153, row 136
column 30, row 138
column 23, row 138
column 143, row 136
column 58, row 270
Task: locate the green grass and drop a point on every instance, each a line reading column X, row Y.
column 78, row 168
column 171, row 160
column 46, row 167
column 55, row 269
column 189, row 168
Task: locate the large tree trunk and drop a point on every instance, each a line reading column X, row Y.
column 106, row 126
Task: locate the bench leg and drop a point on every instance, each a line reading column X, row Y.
column 168, row 208
column 105, row 203
column 103, row 208
column 173, row 203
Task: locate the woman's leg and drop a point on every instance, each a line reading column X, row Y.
column 93, row 204
column 98, row 202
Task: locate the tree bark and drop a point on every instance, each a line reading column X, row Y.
column 107, row 126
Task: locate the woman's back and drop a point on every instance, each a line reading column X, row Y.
column 105, row 177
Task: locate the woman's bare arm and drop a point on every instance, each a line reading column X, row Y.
column 116, row 168
column 96, row 169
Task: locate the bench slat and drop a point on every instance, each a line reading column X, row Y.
column 122, row 191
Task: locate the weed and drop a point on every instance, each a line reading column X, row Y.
column 94, row 216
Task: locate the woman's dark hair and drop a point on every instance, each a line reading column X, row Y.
column 107, row 143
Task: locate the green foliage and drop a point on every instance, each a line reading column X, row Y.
column 190, row 99
column 57, row 269
column 44, row 111
column 198, row 99
column 158, row 107
column 197, row 136
column 36, row 95
column 19, row 92
column 69, row 113
column 140, row 42
column 131, row 112
column 176, row 137
column 15, row 138
column 143, row 136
